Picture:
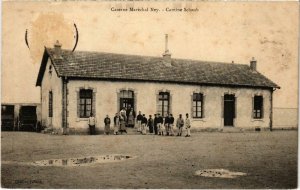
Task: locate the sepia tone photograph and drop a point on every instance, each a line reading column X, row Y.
column 149, row 94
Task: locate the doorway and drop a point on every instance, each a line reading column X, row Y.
column 229, row 110
column 126, row 99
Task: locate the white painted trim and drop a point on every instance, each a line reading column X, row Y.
column 199, row 119
column 259, row 120
column 81, row 119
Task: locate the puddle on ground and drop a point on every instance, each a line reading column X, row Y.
column 82, row 161
column 220, row 173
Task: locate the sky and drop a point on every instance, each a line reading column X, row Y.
column 218, row 31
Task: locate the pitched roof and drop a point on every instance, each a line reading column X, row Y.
column 111, row 66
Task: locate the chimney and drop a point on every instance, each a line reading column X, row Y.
column 253, row 64
column 167, row 55
column 57, row 50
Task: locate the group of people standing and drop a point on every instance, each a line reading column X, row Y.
column 157, row 125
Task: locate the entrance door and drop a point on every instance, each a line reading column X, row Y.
column 7, row 117
column 126, row 99
column 125, row 103
column 27, row 118
column 229, row 110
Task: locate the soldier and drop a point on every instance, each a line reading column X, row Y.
column 107, row 125
column 144, row 123
column 188, row 126
column 167, row 123
column 171, row 124
column 160, row 125
column 150, row 124
column 139, row 121
column 155, row 124
column 179, row 125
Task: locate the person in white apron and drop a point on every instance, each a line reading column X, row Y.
column 188, row 126
column 144, row 124
column 116, row 124
column 107, row 125
column 171, row 124
column 123, row 120
column 139, row 119
column 92, row 124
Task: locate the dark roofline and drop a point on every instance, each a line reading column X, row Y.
column 171, row 82
column 157, row 57
column 42, row 69
column 47, row 55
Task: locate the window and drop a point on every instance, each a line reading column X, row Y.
column 258, row 107
column 197, row 105
column 163, row 103
column 126, row 99
column 50, row 108
column 50, row 70
column 86, row 97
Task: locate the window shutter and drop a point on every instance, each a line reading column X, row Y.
column 235, row 107
column 222, row 106
column 78, row 104
column 203, row 106
column 192, row 113
column 157, row 102
column 252, row 111
column 170, row 103
column 134, row 101
column 94, row 104
column 262, row 107
column 118, row 101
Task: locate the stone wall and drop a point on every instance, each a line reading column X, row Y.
column 145, row 95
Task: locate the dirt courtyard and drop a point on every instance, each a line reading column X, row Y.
column 268, row 158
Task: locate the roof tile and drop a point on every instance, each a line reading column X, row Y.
column 98, row 65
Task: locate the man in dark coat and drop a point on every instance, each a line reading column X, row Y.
column 150, row 124
column 128, row 110
column 131, row 118
column 160, row 125
column 171, row 125
column 155, row 123
column 144, row 123
column 139, row 121
column 107, row 125
column 167, row 122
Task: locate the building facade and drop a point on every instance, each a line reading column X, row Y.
column 216, row 95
